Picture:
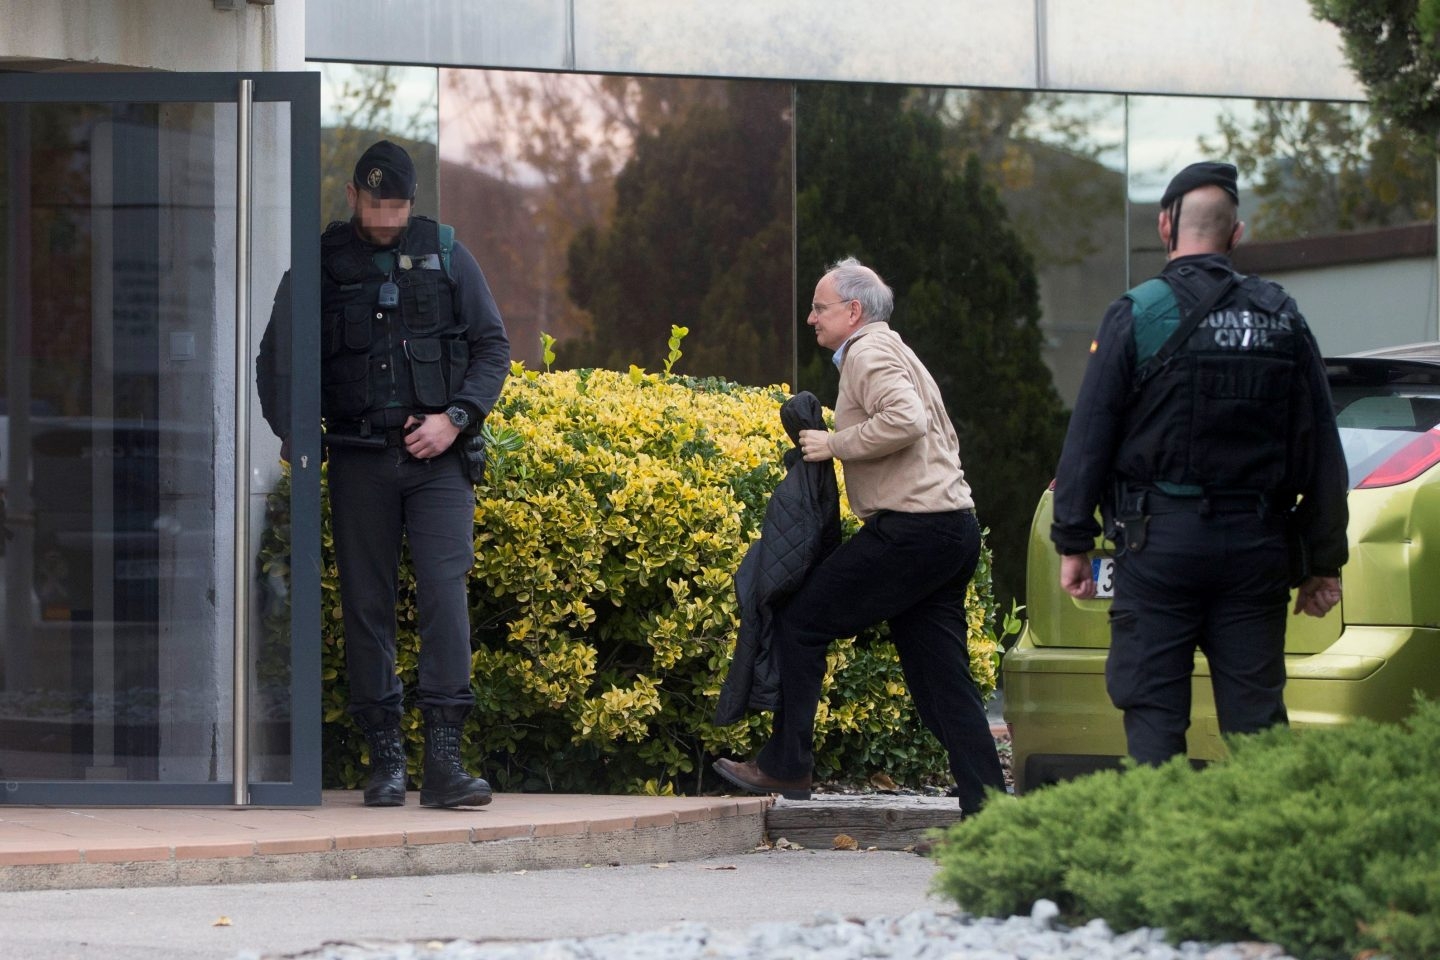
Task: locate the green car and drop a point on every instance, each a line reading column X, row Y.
column 1366, row 658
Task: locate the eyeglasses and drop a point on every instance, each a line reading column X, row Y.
column 818, row 307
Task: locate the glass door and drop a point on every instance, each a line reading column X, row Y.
column 159, row 602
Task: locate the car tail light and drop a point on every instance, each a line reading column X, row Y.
column 1409, row 462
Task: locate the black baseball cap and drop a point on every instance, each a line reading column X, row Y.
column 1205, row 174
column 386, row 171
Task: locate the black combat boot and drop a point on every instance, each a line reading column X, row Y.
column 446, row 784
column 386, row 785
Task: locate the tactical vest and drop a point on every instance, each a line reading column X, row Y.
column 1218, row 417
column 411, row 356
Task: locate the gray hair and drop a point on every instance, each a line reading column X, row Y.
column 855, row 281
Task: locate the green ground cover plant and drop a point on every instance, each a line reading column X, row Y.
column 1323, row 841
column 616, row 510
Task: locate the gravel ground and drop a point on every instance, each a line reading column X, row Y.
column 922, row 935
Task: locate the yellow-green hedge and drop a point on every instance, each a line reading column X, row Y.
column 603, row 605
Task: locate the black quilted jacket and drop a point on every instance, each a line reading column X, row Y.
column 801, row 528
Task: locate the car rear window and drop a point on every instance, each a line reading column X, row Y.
column 1381, row 407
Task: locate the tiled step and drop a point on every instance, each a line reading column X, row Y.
column 47, row 848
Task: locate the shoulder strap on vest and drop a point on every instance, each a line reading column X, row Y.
column 1265, row 294
column 447, row 245
column 424, row 237
column 421, row 237
column 426, row 243
column 1182, row 333
column 340, row 256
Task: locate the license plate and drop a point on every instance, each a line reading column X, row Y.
column 1103, row 570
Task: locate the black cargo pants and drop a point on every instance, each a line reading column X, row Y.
column 1217, row 583
column 378, row 497
column 910, row 570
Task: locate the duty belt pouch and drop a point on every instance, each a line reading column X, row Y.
column 472, row 456
column 1134, row 529
column 1109, row 508
column 1131, row 521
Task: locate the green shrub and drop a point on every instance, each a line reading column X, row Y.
column 1320, row 840
column 615, row 513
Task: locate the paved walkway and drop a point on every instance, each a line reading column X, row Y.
column 384, row 917
column 51, row 848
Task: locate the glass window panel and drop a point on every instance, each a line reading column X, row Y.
column 974, row 206
column 1339, row 207
column 1058, row 161
column 269, row 612
column 362, row 103
column 114, row 663
column 604, row 210
column 1164, row 135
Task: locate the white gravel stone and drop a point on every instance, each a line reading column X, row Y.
column 922, row 935
column 1044, row 914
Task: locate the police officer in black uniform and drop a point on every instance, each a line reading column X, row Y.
column 1205, row 427
column 413, row 357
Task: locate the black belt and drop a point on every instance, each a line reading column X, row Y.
column 345, row 436
column 1206, row 503
column 377, row 429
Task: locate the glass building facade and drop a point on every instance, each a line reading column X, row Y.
column 604, row 209
column 160, row 637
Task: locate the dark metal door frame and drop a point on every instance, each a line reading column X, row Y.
column 301, row 91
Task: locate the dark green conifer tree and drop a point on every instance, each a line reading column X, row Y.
column 873, row 182
column 1394, row 48
column 700, row 238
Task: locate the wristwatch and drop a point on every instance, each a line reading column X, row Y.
column 458, row 416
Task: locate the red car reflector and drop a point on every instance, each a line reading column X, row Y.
column 1413, row 459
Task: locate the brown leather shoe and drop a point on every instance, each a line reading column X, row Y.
column 749, row 776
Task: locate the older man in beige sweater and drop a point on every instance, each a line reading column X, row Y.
column 909, row 565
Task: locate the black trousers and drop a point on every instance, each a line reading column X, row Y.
column 1216, row 583
column 378, row 497
column 910, row 570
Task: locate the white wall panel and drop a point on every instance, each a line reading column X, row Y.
column 955, row 42
column 1240, row 48
column 1243, row 48
column 151, row 34
column 1339, row 303
column 527, row 34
